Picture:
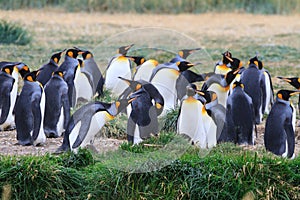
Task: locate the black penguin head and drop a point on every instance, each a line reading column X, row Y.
column 286, row 94
column 206, row 95
column 81, row 63
column 56, row 57
column 238, row 84
column 73, row 53
column 58, row 73
column 121, row 104
column 31, row 77
column 236, row 64
column 295, row 81
column 184, row 65
column 138, row 60
column 124, row 49
column 8, row 69
column 23, row 69
column 184, row 53
column 134, row 85
column 87, row 55
column 254, row 61
column 231, row 75
column 227, row 57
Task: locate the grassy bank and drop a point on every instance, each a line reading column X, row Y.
column 227, row 172
column 160, row 6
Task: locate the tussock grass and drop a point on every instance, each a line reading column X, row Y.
column 11, row 33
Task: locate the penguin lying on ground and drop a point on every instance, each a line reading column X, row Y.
column 47, row 69
column 29, row 112
column 87, row 121
column 142, row 120
column 253, row 80
column 119, row 65
column 239, row 125
column 57, row 109
column 279, row 137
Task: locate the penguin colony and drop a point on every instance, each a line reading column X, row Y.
column 226, row 108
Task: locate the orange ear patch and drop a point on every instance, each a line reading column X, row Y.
column 70, row 53
column 7, row 70
column 279, row 96
column 55, row 60
column 29, row 78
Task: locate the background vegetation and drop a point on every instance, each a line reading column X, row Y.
column 161, row 6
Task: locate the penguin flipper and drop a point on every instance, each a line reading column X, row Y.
column 99, row 88
column 290, row 139
column 66, row 107
column 37, row 117
column 84, row 128
column 5, row 109
column 151, row 127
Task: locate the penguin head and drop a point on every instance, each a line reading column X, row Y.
column 87, row 55
column 206, row 96
column 236, row 64
column 31, row 76
column 73, row 53
column 56, row 57
column 58, row 73
column 238, row 84
column 191, row 89
column 184, row 65
column 121, row 104
column 138, row 60
column 81, row 63
column 134, row 85
column 8, row 69
column 184, row 53
column 227, row 57
column 124, row 49
column 23, row 69
column 231, row 75
column 286, row 94
column 254, row 61
column 295, row 81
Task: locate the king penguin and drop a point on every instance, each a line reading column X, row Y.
column 29, row 112
column 223, row 67
column 189, row 121
column 119, row 65
column 144, row 112
column 239, row 125
column 253, row 80
column 164, row 78
column 22, row 69
column 183, row 54
column 144, row 71
column 47, row 69
column 279, row 137
column 87, row 121
column 69, row 67
column 57, row 108
column 6, row 86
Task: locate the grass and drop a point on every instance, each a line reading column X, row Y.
column 11, row 33
column 160, row 6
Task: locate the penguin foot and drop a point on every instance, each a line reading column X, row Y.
column 61, row 150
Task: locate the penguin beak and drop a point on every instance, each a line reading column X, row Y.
column 229, row 58
column 236, row 71
column 285, row 79
column 124, row 79
column 296, row 92
column 132, row 99
column 128, row 47
column 200, row 92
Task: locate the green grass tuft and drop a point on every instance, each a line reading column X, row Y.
column 11, row 33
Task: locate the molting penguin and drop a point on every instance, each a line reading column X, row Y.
column 6, row 86
column 29, row 112
column 253, row 80
column 119, row 65
column 87, row 121
column 69, row 68
column 57, row 109
column 142, row 121
column 223, row 67
column 239, row 125
column 47, row 69
column 189, row 121
column 279, row 134
column 164, row 78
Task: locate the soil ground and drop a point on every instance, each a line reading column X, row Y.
column 51, row 27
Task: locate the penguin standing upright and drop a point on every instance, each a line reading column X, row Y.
column 144, row 71
column 87, row 121
column 254, row 85
column 47, row 69
column 220, row 85
column 22, row 69
column 223, row 67
column 57, row 108
column 29, row 112
column 6, row 86
column 279, row 137
column 119, row 65
column 239, row 124
column 142, row 120
column 91, row 67
column 189, row 121
column 69, row 68
column 164, row 78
